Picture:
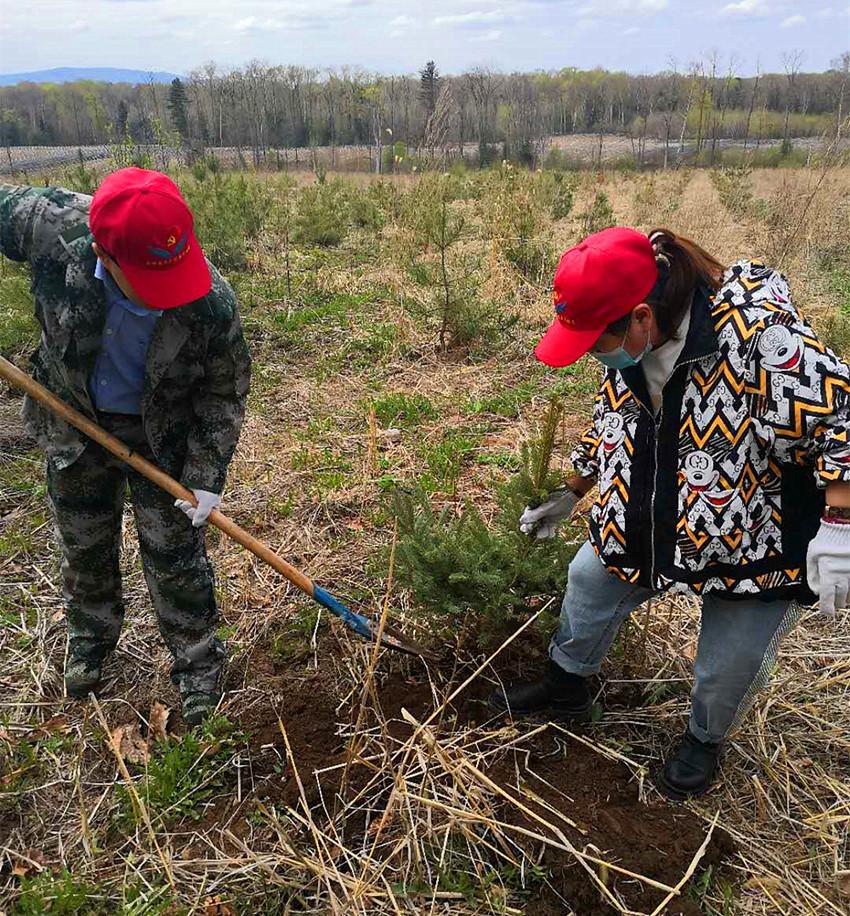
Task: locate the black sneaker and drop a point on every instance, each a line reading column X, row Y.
column 559, row 695
column 690, row 771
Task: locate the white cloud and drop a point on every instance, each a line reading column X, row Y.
column 793, row 21
column 251, row 24
column 746, row 8
column 474, row 18
column 633, row 30
column 401, row 26
column 621, row 7
column 491, row 35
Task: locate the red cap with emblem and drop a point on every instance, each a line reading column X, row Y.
column 140, row 219
column 600, row 280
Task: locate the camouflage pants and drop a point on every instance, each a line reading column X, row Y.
column 87, row 500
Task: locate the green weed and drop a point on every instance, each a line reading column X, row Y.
column 182, row 775
column 706, row 884
column 19, row 536
column 400, row 409
column 507, row 403
column 379, row 343
column 292, row 645
column 59, row 895
column 23, row 476
column 444, row 460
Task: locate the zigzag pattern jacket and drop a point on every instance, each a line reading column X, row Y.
column 722, row 490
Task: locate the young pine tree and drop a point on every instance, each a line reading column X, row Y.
column 473, row 580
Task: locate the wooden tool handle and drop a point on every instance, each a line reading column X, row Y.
column 21, row 380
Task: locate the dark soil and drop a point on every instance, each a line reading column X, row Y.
column 654, row 839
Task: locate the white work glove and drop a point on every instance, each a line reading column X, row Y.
column 543, row 521
column 828, row 566
column 206, row 503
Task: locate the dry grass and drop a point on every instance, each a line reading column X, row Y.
column 397, row 784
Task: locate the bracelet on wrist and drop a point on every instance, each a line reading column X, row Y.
column 837, row 515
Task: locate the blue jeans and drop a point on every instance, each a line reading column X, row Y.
column 737, row 646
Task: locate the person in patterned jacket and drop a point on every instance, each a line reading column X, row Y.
column 720, row 443
column 142, row 335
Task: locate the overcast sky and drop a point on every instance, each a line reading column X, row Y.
column 398, row 36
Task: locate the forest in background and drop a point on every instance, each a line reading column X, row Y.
column 260, row 107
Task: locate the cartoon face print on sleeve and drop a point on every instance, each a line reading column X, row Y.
column 781, row 349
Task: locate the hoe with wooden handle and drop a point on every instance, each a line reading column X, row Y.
column 363, row 626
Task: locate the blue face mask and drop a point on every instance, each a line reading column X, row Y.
column 620, row 358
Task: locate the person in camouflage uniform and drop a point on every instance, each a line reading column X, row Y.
column 142, row 335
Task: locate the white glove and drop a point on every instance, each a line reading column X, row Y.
column 543, row 521
column 206, row 503
column 828, row 566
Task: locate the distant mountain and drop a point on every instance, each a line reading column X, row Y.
column 101, row 74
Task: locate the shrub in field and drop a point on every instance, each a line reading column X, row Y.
column 387, row 197
column 469, row 577
column 80, row 178
column 323, row 214
column 127, row 153
column 230, row 212
column 645, row 200
column 516, row 205
column 365, row 210
column 599, row 215
column 439, row 258
column 562, row 196
column 734, row 187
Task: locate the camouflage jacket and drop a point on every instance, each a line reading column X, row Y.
column 197, row 367
column 724, row 488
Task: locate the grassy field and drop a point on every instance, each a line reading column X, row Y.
column 392, row 327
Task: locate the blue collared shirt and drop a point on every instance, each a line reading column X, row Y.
column 119, row 372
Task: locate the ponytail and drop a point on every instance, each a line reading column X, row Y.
column 682, row 267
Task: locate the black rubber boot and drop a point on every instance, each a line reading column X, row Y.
column 690, row 771
column 558, row 694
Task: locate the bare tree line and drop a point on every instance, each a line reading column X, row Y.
column 260, row 108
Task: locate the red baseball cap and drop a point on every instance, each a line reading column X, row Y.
column 598, row 281
column 140, row 219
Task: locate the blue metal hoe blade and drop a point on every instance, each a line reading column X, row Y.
column 366, row 627
column 357, row 622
